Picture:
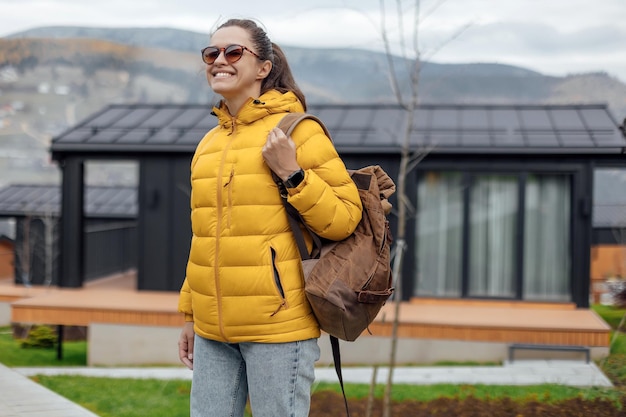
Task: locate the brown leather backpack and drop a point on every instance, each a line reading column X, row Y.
column 347, row 282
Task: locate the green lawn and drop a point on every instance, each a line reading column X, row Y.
column 156, row 398
column 123, row 397
column 12, row 355
column 610, row 314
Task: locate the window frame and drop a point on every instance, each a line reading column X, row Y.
column 580, row 220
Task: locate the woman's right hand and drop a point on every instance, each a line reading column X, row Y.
column 185, row 345
column 279, row 153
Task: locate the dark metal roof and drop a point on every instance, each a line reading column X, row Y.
column 45, row 200
column 509, row 129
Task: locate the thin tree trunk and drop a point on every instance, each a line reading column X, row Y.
column 372, row 393
column 399, row 255
column 413, row 67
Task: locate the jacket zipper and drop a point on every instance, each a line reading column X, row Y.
column 218, row 232
column 279, row 285
column 229, row 187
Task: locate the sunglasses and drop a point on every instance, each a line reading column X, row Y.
column 232, row 53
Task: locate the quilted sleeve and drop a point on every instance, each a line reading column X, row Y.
column 327, row 199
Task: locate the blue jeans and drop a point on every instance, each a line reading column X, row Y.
column 276, row 376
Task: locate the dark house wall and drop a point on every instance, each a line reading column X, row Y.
column 609, row 236
column 111, row 247
column 164, row 222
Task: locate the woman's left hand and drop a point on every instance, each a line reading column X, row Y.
column 279, row 153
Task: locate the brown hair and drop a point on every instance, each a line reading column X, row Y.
column 280, row 77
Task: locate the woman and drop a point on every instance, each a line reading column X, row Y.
column 249, row 329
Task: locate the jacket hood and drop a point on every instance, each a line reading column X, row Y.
column 270, row 102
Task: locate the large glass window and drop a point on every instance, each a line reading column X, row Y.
column 439, row 235
column 494, row 235
column 547, row 238
column 493, row 221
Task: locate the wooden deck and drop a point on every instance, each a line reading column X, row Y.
column 497, row 322
column 115, row 300
column 109, row 300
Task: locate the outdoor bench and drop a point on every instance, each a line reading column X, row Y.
column 565, row 348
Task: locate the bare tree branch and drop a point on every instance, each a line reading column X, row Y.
column 418, row 157
column 393, row 80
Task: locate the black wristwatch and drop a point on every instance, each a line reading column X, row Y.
column 295, row 179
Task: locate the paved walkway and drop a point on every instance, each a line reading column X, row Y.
column 21, row 397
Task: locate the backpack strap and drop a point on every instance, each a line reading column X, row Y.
column 287, row 124
column 334, row 343
column 294, row 223
column 295, row 220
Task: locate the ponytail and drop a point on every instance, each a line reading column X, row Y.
column 280, row 77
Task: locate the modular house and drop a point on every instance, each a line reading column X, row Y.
column 499, row 196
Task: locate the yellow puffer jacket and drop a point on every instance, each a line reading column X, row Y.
column 244, row 281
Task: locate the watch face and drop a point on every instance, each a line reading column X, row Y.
column 295, row 179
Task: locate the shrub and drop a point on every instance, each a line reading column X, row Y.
column 42, row 337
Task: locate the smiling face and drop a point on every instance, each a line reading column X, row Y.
column 239, row 81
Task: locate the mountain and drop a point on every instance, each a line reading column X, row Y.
column 53, row 77
column 346, row 75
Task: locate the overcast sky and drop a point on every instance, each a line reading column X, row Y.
column 555, row 37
